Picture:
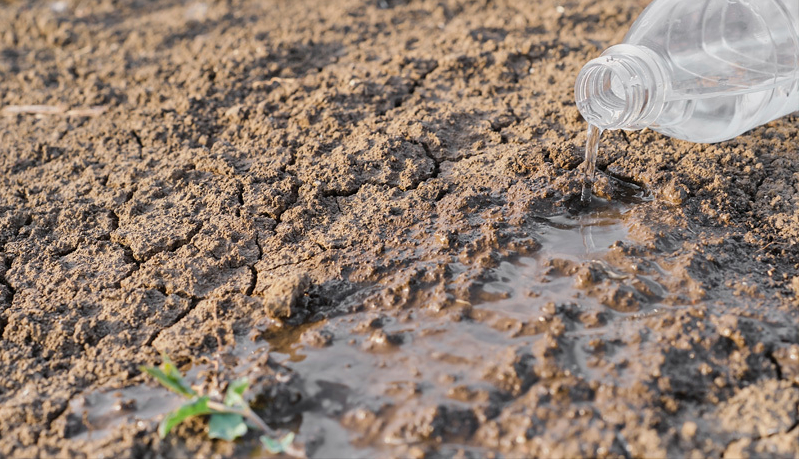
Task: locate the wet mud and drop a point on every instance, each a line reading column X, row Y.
column 372, row 210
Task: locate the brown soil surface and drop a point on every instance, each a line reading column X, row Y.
column 368, row 207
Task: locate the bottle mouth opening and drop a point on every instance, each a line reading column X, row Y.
column 621, row 89
column 605, row 93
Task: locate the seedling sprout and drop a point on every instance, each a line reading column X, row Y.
column 230, row 418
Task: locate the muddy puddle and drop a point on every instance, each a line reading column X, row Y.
column 97, row 414
column 374, row 381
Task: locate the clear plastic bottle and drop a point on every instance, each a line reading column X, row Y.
column 698, row 70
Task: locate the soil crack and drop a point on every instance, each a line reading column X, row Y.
column 253, row 270
column 61, row 410
column 777, row 367
column 175, row 246
column 9, row 296
column 793, row 427
column 340, row 194
column 137, row 138
column 129, row 274
column 240, row 193
column 436, row 162
column 258, row 244
column 3, row 281
column 279, row 216
column 415, row 83
column 293, row 263
column 192, row 305
column 253, row 281
column 64, row 252
column 171, row 248
column 436, row 166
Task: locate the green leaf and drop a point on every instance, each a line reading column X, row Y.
column 227, row 426
column 235, row 392
column 195, row 407
column 171, row 383
column 274, row 446
column 169, row 376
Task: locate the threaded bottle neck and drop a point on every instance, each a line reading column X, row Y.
column 624, row 88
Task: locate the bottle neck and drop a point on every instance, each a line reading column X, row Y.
column 624, row 88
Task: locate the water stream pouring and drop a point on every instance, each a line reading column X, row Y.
column 697, row 70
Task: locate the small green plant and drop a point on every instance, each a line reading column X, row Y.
column 230, row 418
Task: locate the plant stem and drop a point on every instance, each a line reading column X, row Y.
column 247, row 413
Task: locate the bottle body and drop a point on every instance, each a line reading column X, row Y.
column 721, row 67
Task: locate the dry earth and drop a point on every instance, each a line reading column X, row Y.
column 386, row 187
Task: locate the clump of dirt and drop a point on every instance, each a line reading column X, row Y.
column 371, row 209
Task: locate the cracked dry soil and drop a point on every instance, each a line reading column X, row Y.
column 367, row 207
